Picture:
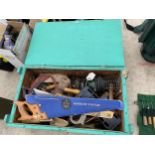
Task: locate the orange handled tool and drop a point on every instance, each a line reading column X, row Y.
column 72, row 91
column 30, row 112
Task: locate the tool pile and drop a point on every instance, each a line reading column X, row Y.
column 91, row 101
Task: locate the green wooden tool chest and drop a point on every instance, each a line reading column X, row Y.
column 74, row 47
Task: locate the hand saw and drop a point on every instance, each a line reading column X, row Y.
column 60, row 106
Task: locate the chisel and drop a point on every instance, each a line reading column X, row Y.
column 143, row 114
column 149, row 115
column 153, row 116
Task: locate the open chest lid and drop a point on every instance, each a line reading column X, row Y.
column 76, row 44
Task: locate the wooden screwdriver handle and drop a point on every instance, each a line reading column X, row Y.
column 72, row 91
column 154, row 122
column 150, row 120
column 111, row 93
column 145, row 120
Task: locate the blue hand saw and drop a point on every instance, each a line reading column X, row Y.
column 60, row 106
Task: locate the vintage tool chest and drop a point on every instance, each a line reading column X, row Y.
column 76, row 48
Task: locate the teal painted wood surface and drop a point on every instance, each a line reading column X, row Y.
column 64, row 129
column 124, row 94
column 77, row 44
column 21, row 71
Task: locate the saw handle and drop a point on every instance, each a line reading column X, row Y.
column 30, row 112
column 21, row 109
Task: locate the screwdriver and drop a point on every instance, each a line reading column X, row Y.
column 153, row 116
column 149, row 115
column 144, row 113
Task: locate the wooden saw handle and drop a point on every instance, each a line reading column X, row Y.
column 30, row 112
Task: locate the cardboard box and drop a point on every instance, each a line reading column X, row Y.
column 17, row 56
column 2, row 30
